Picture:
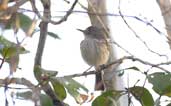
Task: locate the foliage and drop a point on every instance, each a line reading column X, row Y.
column 73, row 87
column 27, row 95
column 108, row 98
column 11, row 51
column 161, row 82
column 142, row 95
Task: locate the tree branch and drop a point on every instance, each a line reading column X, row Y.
column 136, row 35
column 64, row 18
column 120, row 61
column 38, row 59
column 105, row 14
column 20, row 81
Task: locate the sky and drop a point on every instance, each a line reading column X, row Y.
column 64, row 55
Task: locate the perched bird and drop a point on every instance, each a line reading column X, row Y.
column 95, row 51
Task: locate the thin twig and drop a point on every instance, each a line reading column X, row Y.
column 64, row 18
column 136, row 35
column 148, row 63
column 82, row 6
column 40, row 49
column 88, row 69
column 19, row 81
column 119, row 61
column 103, row 14
column 119, row 46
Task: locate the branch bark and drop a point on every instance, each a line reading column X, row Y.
column 42, row 39
column 165, row 7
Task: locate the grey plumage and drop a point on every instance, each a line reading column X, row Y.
column 95, row 51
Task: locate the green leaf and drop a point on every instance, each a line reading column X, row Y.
column 43, row 74
column 27, row 95
column 161, row 82
column 10, row 49
column 142, row 95
column 5, row 42
column 23, row 22
column 11, row 52
column 14, row 50
column 45, row 100
column 53, row 35
column 74, row 84
column 38, row 73
column 59, row 89
column 107, row 98
column 73, row 87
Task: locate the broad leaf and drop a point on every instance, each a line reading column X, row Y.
column 23, row 22
column 24, row 95
column 73, row 87
column 59, row 89
column 53, row 35
column 142, row 95
column 11, row 51
column 108, row 98
column 161, row 82
column 44, row 99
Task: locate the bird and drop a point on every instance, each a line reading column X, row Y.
column 95, row 51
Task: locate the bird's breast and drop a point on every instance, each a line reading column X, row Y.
column 94, row 52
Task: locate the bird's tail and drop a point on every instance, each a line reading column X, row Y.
column 99, row 85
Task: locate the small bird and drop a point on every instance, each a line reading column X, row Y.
column 95, row 51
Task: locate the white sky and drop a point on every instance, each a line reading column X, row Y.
column 64, row 55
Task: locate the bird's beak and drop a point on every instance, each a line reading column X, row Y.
column 81, row 30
